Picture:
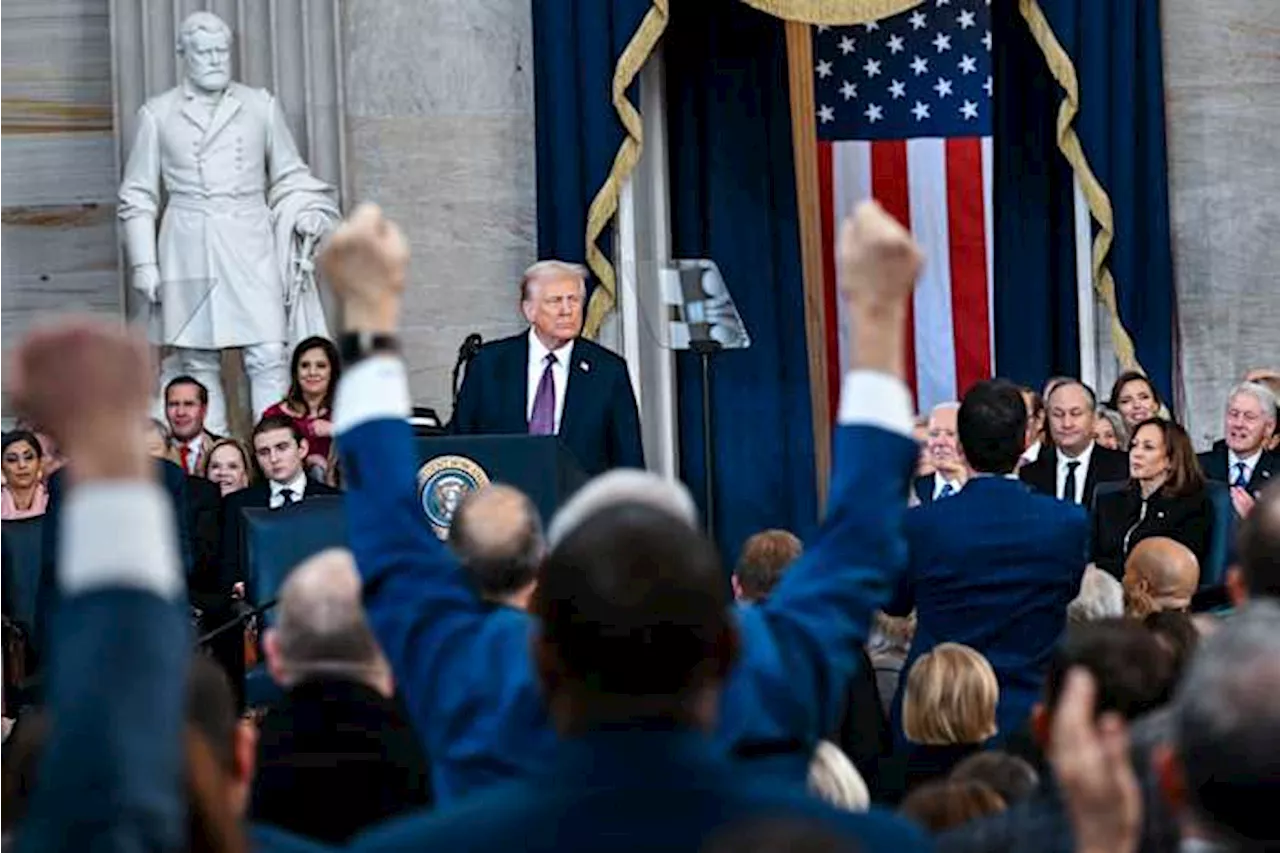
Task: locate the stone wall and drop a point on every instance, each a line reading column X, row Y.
column 439, row 99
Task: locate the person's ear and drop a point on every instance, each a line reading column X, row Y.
column 303, row 448
column 1236, row 589
column 737, row 587
column 529, row 309
column 1040, row 725
column 271, row 649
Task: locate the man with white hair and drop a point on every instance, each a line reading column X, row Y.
column 944, row 451
column 549, row 381
column 1242, row 459
column 472, row 680
column 242, row 207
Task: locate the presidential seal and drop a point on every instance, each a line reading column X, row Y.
column 442, row 484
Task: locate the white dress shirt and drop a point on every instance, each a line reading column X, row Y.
column 939, row 482
column 1082, row 471
column 1249, row 464
column 298, row 485
column 1031, row 454
column 559, row 374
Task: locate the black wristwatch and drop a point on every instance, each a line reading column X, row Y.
column 357, row 346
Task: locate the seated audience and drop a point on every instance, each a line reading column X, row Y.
column 1159, row 575
column 1108, row 429
column 1220, row 770
column 23, row 494
column 496, row 534
column 1101, row 597
column 1257, row 573
column 1135, row 398
column 334, row 756
column 477, row 692
column 1243, row 459
column 994, row 567
column 1165, row 496
column 944, row 804
column 888, row 646
column 943, row 451
column 1072, row 465
column 228, row 466
column 765, row 556
column 1177, row 633
column 1013, row 778
column 1035, row 424
column 836, row 781
column 186, row 405
column 51, row 458
column 1133, row 676
column 948, row 712
column 314, row 372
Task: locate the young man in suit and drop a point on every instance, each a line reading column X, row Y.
column 1073, row 465
column 995, row 566
column 549, row 381
column 465, row 666
column 1242, row 459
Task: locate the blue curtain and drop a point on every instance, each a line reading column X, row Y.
column 576, row 44
column 733, row 199
column 1116, row 52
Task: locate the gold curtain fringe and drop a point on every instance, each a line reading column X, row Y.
column 1064, row 72
column 605, row 203
column 832, row 12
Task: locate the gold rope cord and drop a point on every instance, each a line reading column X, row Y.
column 832, row 12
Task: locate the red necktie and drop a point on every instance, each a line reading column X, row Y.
column 186, row 469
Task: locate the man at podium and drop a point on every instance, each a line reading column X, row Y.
column 549, row 381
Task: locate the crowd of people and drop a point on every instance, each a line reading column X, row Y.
column 1026, row 622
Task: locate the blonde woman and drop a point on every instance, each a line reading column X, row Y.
column 948, row 712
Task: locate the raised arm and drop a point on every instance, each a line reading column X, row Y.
column 420, row 604
column 111, row 777
column 822, row 609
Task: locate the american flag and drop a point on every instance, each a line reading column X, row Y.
column 904, row 116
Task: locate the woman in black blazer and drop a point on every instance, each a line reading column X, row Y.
column 1165, row 496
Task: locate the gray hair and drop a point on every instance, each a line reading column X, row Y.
column 942, row 407
column 1101, row 596
column 1227, row 723
column 200, row 22
column 552, row 270
column 836, row 781
column 1264, row 395
column 619, row 487
column 321, row 627
column 1117, row 425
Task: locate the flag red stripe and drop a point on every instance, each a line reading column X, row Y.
column 826, row 183
column 966, row 232
column 889, row 187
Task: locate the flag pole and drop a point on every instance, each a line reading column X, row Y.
column 804, row 143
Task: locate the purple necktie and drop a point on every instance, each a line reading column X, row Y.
column 543, row 419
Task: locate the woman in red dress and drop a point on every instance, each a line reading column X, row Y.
column 314, row 376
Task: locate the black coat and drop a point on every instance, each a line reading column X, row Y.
column 336, row 757
column 258, row 495
column 1187, row 519
column 1214, row 466
column 1105, row 466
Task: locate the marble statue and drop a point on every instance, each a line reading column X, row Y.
column 232, row 263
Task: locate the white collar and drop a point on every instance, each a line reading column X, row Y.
column 1032, row 453
column 1250, row 462
column 1083, row 458
column 538, row 352
column 298, row 485
column 939, row 481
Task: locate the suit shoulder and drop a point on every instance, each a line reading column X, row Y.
column 600, row 354
column 500, row 348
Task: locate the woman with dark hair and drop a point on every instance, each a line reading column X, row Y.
column 1135, row 397
column 1165, row 496
column 23, row 494
column 314, row 374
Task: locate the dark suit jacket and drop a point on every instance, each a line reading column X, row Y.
column 634, row 790
column 465, row 666
column 994, row 568
column 1187, row 519
column 334, row 758
column 923, row 487
column 1105, row 466
column 204, row 500
column 175, row 483
column 1214, row 466
column 257, row 495
column 917, row 763
column 600, row 424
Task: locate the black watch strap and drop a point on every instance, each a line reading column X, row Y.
column 356, row 346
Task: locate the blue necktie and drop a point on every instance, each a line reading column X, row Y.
column 542, row 421
column 1241, row 480
column 946, row 492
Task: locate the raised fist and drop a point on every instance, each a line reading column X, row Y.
column 879, row 260
column 365, row 259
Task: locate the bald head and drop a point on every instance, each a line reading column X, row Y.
column 321, row 627
column 497, row 534
column 1160, row 574
column 623, row 487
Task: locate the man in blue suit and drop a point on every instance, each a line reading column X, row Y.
column 549, row 381
column 465, row 666
column 995, row 566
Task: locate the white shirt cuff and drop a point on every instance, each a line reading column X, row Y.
column 868, row 398
column 119, row 534
column 376, row 389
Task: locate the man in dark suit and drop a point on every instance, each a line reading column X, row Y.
column 281, row 451
column 1242, row 459
column 549, row 381
column 1073, row 464
column 465, row 666
column 335, row 756
column 943, row 448
column 994, row 567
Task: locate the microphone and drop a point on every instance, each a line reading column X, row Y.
column 466, row 352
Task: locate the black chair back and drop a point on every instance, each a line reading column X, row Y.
column 275, row 541
column 21, row 561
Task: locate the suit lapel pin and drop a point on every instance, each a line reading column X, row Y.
column 1159, row 515
column 584, row 367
